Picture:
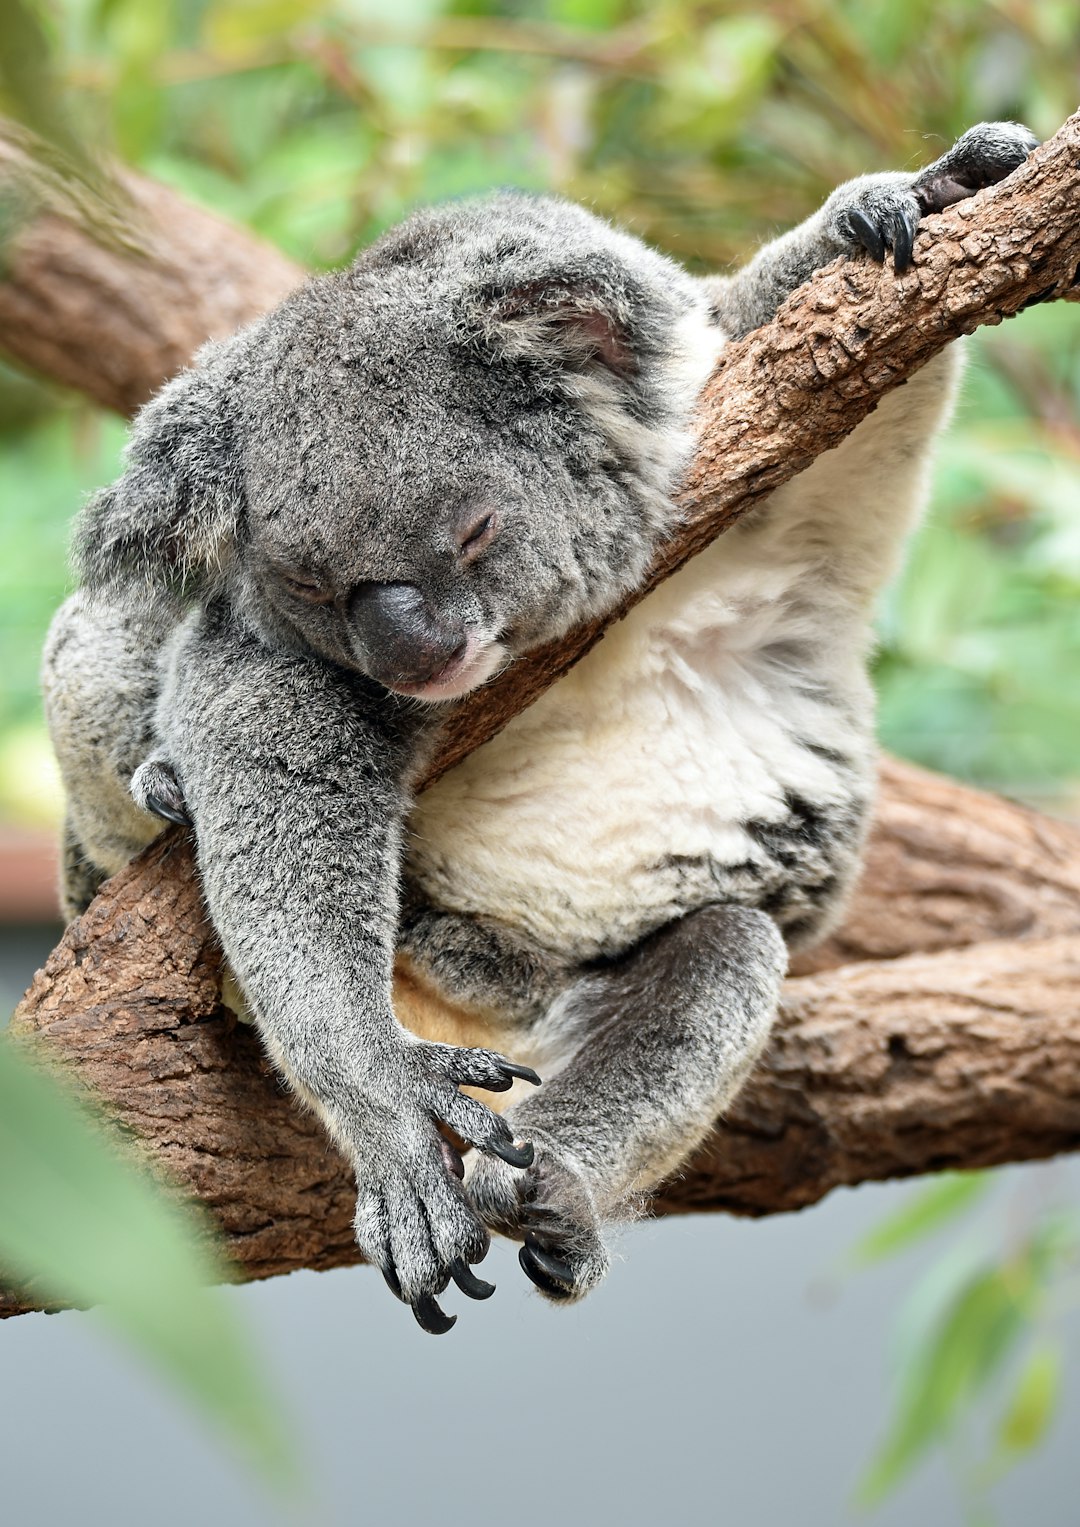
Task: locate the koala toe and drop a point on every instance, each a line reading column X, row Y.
column 420, row 1241
column 879, row 214
column 156, row 789
column 551, row 1209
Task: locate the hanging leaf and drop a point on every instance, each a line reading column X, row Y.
column 944, row 1199
column 1033, row 1402
column 82, row 1226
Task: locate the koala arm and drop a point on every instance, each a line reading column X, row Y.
column 293, row 773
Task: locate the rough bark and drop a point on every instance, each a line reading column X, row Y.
column 905, row 1056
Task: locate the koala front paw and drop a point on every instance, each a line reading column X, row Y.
column 880, row 213
column 413, row 1219
column 156, row 789
column 551, row 1209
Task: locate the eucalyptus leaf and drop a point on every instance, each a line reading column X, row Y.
column 80, row 1225
column 928, row 1210
column 1033, row 1402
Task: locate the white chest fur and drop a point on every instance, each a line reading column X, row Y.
column 686, row 723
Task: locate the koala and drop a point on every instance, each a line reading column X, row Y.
column 359, row 509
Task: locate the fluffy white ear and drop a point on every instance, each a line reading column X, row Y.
column 171, row 519
column 562, row 323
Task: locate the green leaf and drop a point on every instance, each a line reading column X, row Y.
column 944, row 1374
column 1033, row 1402
column 81, row 1225
column 945, row 1198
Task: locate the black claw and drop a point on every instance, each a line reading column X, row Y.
column 513, row 1155
column 867, row 234
column 526, row 1073
column 496, row 1084
column 903, row 241
column 391, row 1280
column 468, row 1282
column 162, row 808
column 536, row 1272
column 555, row 1267
column 430, row 1318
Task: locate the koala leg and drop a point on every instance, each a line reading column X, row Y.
column 100, row 679
column 879, row 213
column 659, row 1044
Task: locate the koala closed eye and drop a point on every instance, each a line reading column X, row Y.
column 303, row 586
column 477, row 535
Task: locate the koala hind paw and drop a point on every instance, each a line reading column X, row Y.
column 981, row 157
column 550, row 1208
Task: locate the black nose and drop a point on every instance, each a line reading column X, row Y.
column 397, row 637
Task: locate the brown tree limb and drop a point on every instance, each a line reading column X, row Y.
column 963, row 1051
column 881, row 1067
column 884, row 1067
column 115, row 320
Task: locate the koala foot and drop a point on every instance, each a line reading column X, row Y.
column 552, row 1210
column 882, row 212
column 156, row 789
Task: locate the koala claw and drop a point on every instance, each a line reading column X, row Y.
column 551, row 1275
column 884, row 221
column 430, row 1318
column 467, row 1281
column 514, row 1155
column 525, row 1073
column 868, row 235
column 155, row 788
column 162, row 809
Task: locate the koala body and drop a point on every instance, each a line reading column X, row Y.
column 359, row 509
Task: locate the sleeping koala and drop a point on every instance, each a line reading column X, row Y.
column 360, row 508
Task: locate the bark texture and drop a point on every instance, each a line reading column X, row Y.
column 936, row 1028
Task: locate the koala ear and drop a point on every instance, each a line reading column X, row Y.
column 171, row 520
column 564, row 323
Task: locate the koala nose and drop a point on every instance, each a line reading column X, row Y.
column 396, row 636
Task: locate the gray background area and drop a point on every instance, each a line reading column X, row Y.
column 728, row 1372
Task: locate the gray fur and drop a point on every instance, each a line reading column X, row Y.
column 412, row 471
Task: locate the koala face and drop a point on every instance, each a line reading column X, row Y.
column 430, row 462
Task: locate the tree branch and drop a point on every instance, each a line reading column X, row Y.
column 880, row 1067
column 901, row 1063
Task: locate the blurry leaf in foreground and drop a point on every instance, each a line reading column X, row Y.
column 944, row 1373
column 945, row 1197
column 1031, row 1408
column 28, row 88
column 85, row 1227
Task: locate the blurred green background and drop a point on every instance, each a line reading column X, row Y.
column 707, row 128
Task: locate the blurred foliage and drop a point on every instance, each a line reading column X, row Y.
column 706, row 127
column 80, row 1224
column 976, row 1343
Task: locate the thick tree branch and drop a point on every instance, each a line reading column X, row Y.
column 901, row 1063
column 881, row 1067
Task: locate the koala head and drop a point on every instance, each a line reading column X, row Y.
column 448, row 453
